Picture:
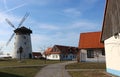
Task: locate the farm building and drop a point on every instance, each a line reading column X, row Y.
column 59, row 52
column 91, row 50
column 36, row 55
column 111, row 36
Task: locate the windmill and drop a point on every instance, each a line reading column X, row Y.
column 22, row 39
column 20, row 24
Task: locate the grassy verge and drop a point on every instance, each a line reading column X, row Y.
column 19, row 72
column 13, row 62
column 88, row 74
column 85, row 65
column 22, row 71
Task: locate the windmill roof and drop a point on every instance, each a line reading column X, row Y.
column 90, row 40
column 23, row 30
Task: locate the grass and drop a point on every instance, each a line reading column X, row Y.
column 22, row 71
column 14, row 62
column 84, row 65
column 19, row 72
column 87, row 73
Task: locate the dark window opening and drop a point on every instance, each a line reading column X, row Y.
column 24, row 37
column 90, row 54
column 103, row 52
column 25, row 43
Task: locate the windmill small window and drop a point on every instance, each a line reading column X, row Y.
column 24, row 37
column 25, row 43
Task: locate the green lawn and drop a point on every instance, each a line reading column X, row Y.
column 19, row 72
column 14, row 62
column 84, row 65
column 87, row 73
column 22, row 71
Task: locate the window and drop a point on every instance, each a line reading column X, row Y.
column 103, row 52
column 66, row 56
column 56, row 56
column 74, row 56
column 24, row 37
column 25, row 43
column 90, row 54
column 63, row 56
column 53, row 56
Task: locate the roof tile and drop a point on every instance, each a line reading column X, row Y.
column 90, row 40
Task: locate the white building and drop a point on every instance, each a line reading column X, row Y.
column 111, row 36
column 23, row 41
column 48, row 54
column 91, row 50
column 59, row 52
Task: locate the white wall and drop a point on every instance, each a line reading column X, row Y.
column 99, row 58
column 112, row 49
column 26, row 45
column 57, row 57
column 53, row 57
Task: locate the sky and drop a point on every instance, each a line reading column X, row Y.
column 53, row 22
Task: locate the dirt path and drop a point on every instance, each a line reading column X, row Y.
column 54, row 70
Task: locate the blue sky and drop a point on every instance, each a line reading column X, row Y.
column 52, row 21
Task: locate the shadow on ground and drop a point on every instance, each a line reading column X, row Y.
column 2, row 74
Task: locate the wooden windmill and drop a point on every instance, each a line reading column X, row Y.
column 22, row 40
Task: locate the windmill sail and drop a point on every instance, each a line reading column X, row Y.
column 10, row 39
column 21, row 22
column 10, row 23
column 23, row 19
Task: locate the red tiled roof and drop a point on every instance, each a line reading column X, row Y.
column 36, row 54
column 90, row 40
column 48, row 51
column 66, row 49
column 60, row 49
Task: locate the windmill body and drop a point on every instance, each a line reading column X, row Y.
column 22, row 39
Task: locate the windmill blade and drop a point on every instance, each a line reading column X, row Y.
column 10, row 39
column 23, row 19
column 10, row 23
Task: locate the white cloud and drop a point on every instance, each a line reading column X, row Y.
column 48, row 27
column 72, row 12
column 39, row 37
column 84, row 25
